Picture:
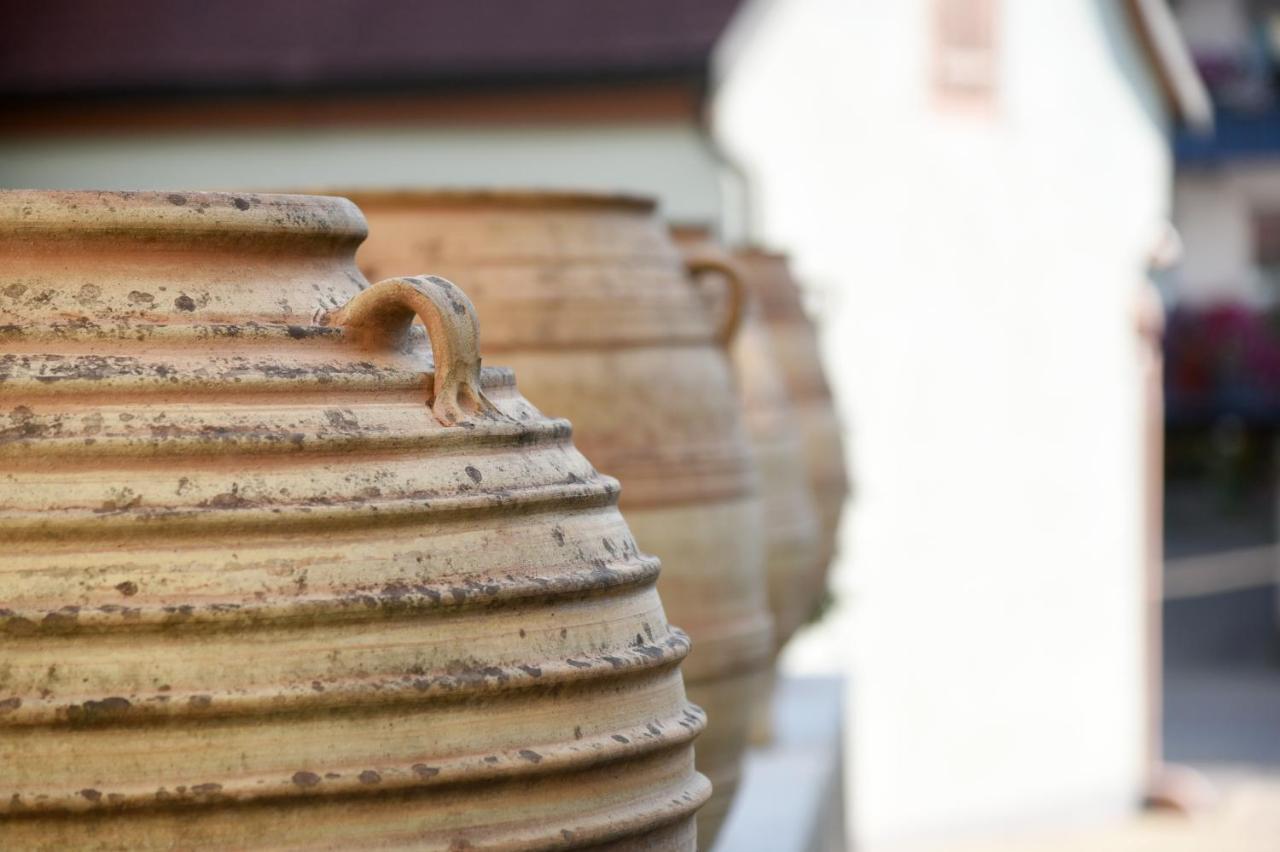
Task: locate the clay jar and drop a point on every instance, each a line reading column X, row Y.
column 272, row 577
column 792, row 536
column 588, row 299
column 795, row 346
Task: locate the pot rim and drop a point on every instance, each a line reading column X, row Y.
column 180, row 214
column 496, row 197
column 754, row 252
column 693, row 230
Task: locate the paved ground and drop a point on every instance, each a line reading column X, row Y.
column 1221, row 629
column 791, row 795
column 1246, row 818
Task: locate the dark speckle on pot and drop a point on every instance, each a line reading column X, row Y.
column 306, row 779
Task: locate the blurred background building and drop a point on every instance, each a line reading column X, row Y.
column 1223, row 389
column 980, row 191
column 285, row 93
column 976, row 193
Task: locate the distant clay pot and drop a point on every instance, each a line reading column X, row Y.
column 795, row 345
column 792, row 536
column 588, row 299
column 273, row 578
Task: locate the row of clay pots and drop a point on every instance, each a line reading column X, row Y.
column 792, row 535
column 258, row 593
column 794, row 342
column 587, row 299
column 794, row 438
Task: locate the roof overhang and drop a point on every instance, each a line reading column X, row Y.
column 1167, row 52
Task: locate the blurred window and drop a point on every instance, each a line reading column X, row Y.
column 1266, row 248
column 964, row 56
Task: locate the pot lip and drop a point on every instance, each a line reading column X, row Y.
column 178, row 213
column 755, row 252
column 495, row 197
column 693, row 231
column 701, row 231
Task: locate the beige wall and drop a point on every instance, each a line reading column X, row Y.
column 669, row 160
column 975, row 276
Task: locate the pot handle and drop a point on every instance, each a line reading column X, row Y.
column 382, row 315
column 698, row 263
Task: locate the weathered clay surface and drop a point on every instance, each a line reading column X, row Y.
column 586, row 297
column 270, row 579
column 792, row 538
column 795, row 345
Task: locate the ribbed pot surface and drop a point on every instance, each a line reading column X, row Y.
column 795, row 346
column 792, row 536
column 273, row 580
column 587, row 298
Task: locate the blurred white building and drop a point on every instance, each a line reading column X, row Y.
column 971, row 188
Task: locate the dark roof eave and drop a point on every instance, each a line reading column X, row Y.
column 68, row 48
column 694, row 75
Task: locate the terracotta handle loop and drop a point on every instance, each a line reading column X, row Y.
column 699, row 264
column 382, row 316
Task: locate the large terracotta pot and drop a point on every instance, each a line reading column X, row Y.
column 792, row 538
column 795, row 344
column 271, row 579
column 586, row 297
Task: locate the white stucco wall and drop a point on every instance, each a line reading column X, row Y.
column 975, row 277
column 670, row 160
